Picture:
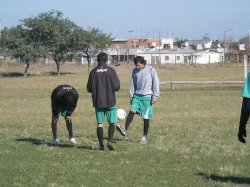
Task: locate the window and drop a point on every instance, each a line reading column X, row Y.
column 152, row 59
column 167, row 58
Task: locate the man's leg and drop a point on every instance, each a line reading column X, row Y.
column 146, row 127
column 110, row 136
column 245, row 112
column 54, row 129
column 145, row 131
column 99, row 132
column 70, row 130
column 129, row 119
column 69, row 127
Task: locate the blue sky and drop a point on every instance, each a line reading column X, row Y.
column 190, row 19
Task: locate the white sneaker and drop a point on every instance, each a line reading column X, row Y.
column 72, row 140
column 143, row 140
column 121, row 129
column 55, row 142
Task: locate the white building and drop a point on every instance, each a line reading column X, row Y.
column 207, row 57
column 180, row 56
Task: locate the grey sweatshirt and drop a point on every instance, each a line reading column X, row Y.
column 144, row 82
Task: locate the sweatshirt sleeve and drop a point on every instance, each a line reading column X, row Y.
column 116, row 81
column 89, row 84
column 155, row 83
column 131, row 89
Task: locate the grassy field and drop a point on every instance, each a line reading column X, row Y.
column 192, row 139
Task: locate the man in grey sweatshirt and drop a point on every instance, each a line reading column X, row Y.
column 143, row 93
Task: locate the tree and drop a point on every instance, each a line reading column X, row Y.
column 215, row 44
column 18, row 45
column 206, row 37
column 53, row 34
column 89, row 42
column 179, row 42
column 245, row 40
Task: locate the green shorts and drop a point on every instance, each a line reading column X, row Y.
column 64, row 111
column 143, row 106
column 109, row 112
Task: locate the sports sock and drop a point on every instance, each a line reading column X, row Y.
column 54, row 130
column 129, row 119
column 69, row 127
column 111, row 132
column 146, row 127
column 99, row 131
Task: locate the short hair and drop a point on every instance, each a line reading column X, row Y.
column 102, row 57
column 139, row 59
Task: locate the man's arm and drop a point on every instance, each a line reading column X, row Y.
column 155, row 84
column 89, row 84
column 116, row 81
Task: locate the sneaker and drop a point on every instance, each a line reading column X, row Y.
column 55, row 142
column 110, row 146
column 121, row 130
column 101, row 147
column 72, row 140
column 143, row 140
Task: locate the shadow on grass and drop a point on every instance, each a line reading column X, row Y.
column 12, row 74
column 61, row 73
column 35, row 141
column 18, row 74
column 232, row 179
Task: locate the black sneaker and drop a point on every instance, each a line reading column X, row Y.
column 101, row 147
column 110, row 146
column 121, row 130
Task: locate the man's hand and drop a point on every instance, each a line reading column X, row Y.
column 154, row 100
column 130, row 100
column 68, row 118
column 241, row 135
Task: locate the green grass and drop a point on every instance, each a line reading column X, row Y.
column 192, row 139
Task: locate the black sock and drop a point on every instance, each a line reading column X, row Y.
column 129, row 119
column 99, row 131
column 111, row 132
column 54, row 130
column 245, row 113
column 54, row 126
column 69, row 127
column 146, row 127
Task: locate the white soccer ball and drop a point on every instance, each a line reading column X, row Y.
column 121, row 114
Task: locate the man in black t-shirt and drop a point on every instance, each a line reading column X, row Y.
column 63, row 102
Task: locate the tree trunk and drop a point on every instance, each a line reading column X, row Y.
column 26, row 69
column 89, row 62
column 58, row 68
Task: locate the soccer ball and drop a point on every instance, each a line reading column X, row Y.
column 121, row 114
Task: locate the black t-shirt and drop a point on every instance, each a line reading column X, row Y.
column 64, row 96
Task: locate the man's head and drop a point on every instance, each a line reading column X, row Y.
column 140, row 62
column 102, row 57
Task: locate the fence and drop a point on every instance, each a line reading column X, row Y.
column 200, row 82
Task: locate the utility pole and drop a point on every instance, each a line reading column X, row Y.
column 225, row 41
column 130, row 42
column 248, row 39
column 0, row 26
column 159, row 52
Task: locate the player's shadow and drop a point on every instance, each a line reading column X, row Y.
column 35, row 141
column 232, row 179
column 115, row 140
